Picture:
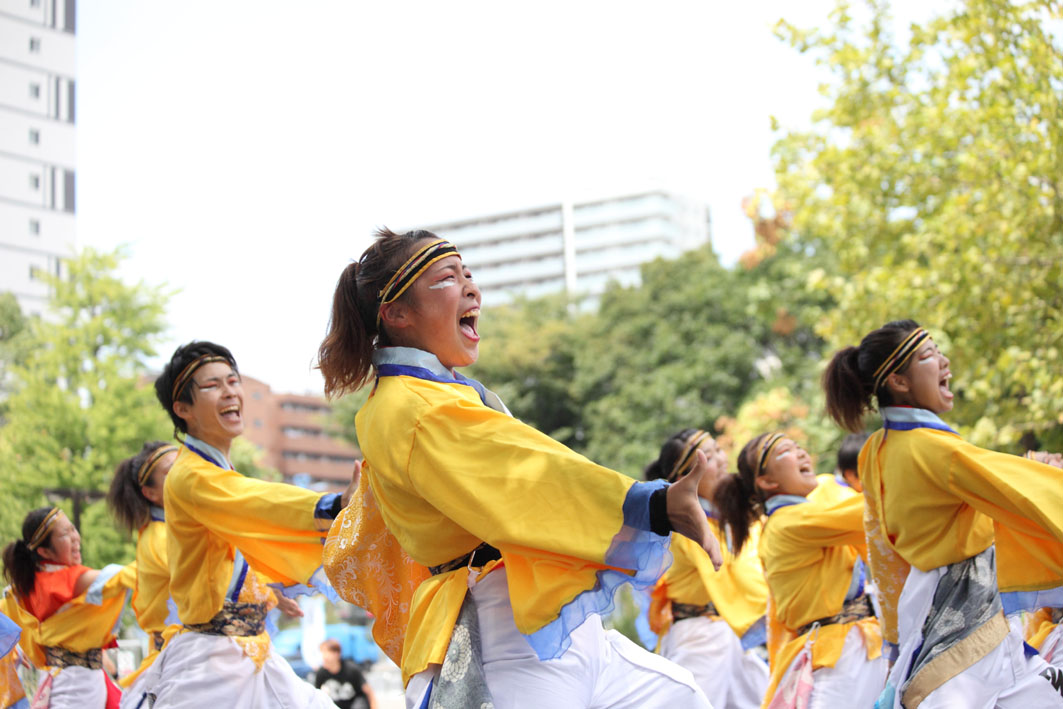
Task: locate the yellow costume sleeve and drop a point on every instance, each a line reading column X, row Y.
column 152, row 588
column 209, row 511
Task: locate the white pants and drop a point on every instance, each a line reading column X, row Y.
column 730, row 677
column 1052, row 647
column 196, row 671
column 1004, row 678
column 854, row 682
column 78, row 688
column 600, row 669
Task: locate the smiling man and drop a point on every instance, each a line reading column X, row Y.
column 221, row 525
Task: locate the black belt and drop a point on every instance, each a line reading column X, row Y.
column 859, row 607
column 477, row 557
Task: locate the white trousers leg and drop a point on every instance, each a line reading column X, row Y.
column 196, row 671
column 1004, row 679
column 1052, row 647
column 854, row 681
column 730, row 678
column 600, row 668
column 78, row 688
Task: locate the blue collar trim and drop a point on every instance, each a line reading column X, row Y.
column 710, row 509
column 904, row 418
column 776, row 503
column 412, row 362
column 207, row 452
column 157, row 514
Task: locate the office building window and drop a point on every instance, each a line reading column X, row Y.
column 35, row 90
column 35, row 226
column 35, row 136
column 35, row 44
column 33, row 273
column 35, row 3
column 35, row 182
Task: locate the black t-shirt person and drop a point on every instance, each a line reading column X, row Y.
column 345, row 687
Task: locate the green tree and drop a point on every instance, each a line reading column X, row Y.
column 82, row 401
column 934, row 180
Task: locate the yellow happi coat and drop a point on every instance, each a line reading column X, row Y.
column 443, row 473
column 211, row 512
column 85, row 622
column 738, row 589
column 152, row 589
column 809, row 551
column 933, row 499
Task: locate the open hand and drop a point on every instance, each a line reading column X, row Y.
column 685, row 512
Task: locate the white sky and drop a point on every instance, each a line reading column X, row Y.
column 245, row 151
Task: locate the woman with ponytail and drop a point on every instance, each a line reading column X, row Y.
column 709, row 622
column 66, row 611
column 492, row 548
column 823, row 636
column 136, row 501
column 949, row 525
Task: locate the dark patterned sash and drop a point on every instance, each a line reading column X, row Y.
column 856, row 609
column 477, row 557
column 61, row 657
column 234, row 619
column 682, row 611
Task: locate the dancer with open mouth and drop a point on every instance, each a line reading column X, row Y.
column 710, row 622
column 943, row 517
column 68, row 612
column 227, row 535
column 485, row 549
column 824, row 640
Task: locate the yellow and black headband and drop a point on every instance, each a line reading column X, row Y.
column 148, row 466
column 685, row 462
column 43, row 528
column 897, row 359
column 410, row 271
column 185, row 376
column 765, row 450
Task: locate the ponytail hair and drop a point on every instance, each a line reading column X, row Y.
column 849, row 380
column 671, row 452
column 20, row 561
column 128, row 505
column 345, row 356
column 737, row 498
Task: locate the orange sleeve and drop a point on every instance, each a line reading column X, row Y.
column 51, row 589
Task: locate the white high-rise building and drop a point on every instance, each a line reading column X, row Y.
column 576, row 247
column 37, row 148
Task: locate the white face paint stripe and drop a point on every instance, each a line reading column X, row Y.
column 441, row 285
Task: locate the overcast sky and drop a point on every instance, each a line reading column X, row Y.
column 245, row 151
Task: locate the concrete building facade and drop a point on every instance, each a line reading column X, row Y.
column 292, row 431
column 575, row 247
column 37, row 146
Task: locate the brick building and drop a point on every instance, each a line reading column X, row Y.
column 291, row 429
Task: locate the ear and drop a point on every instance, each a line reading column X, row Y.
column 183, row 410
column 898, row 384
column 396, row 315
column 46, row 553
column 153, row 495
column 766, row 484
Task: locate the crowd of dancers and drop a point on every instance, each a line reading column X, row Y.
column 928, row 574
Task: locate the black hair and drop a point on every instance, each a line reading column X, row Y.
column 345, row 356
column 849, row 379
column 130, row 508
column 20, row 562
column 182, row 357
column 737, row 498
column 670, row 452
column 849, row 450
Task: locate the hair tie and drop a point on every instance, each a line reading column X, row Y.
column 410, row 271
column 186, row 374
column 148, row 466
column 899, row 356
column 41, row 532
column 685, row 462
